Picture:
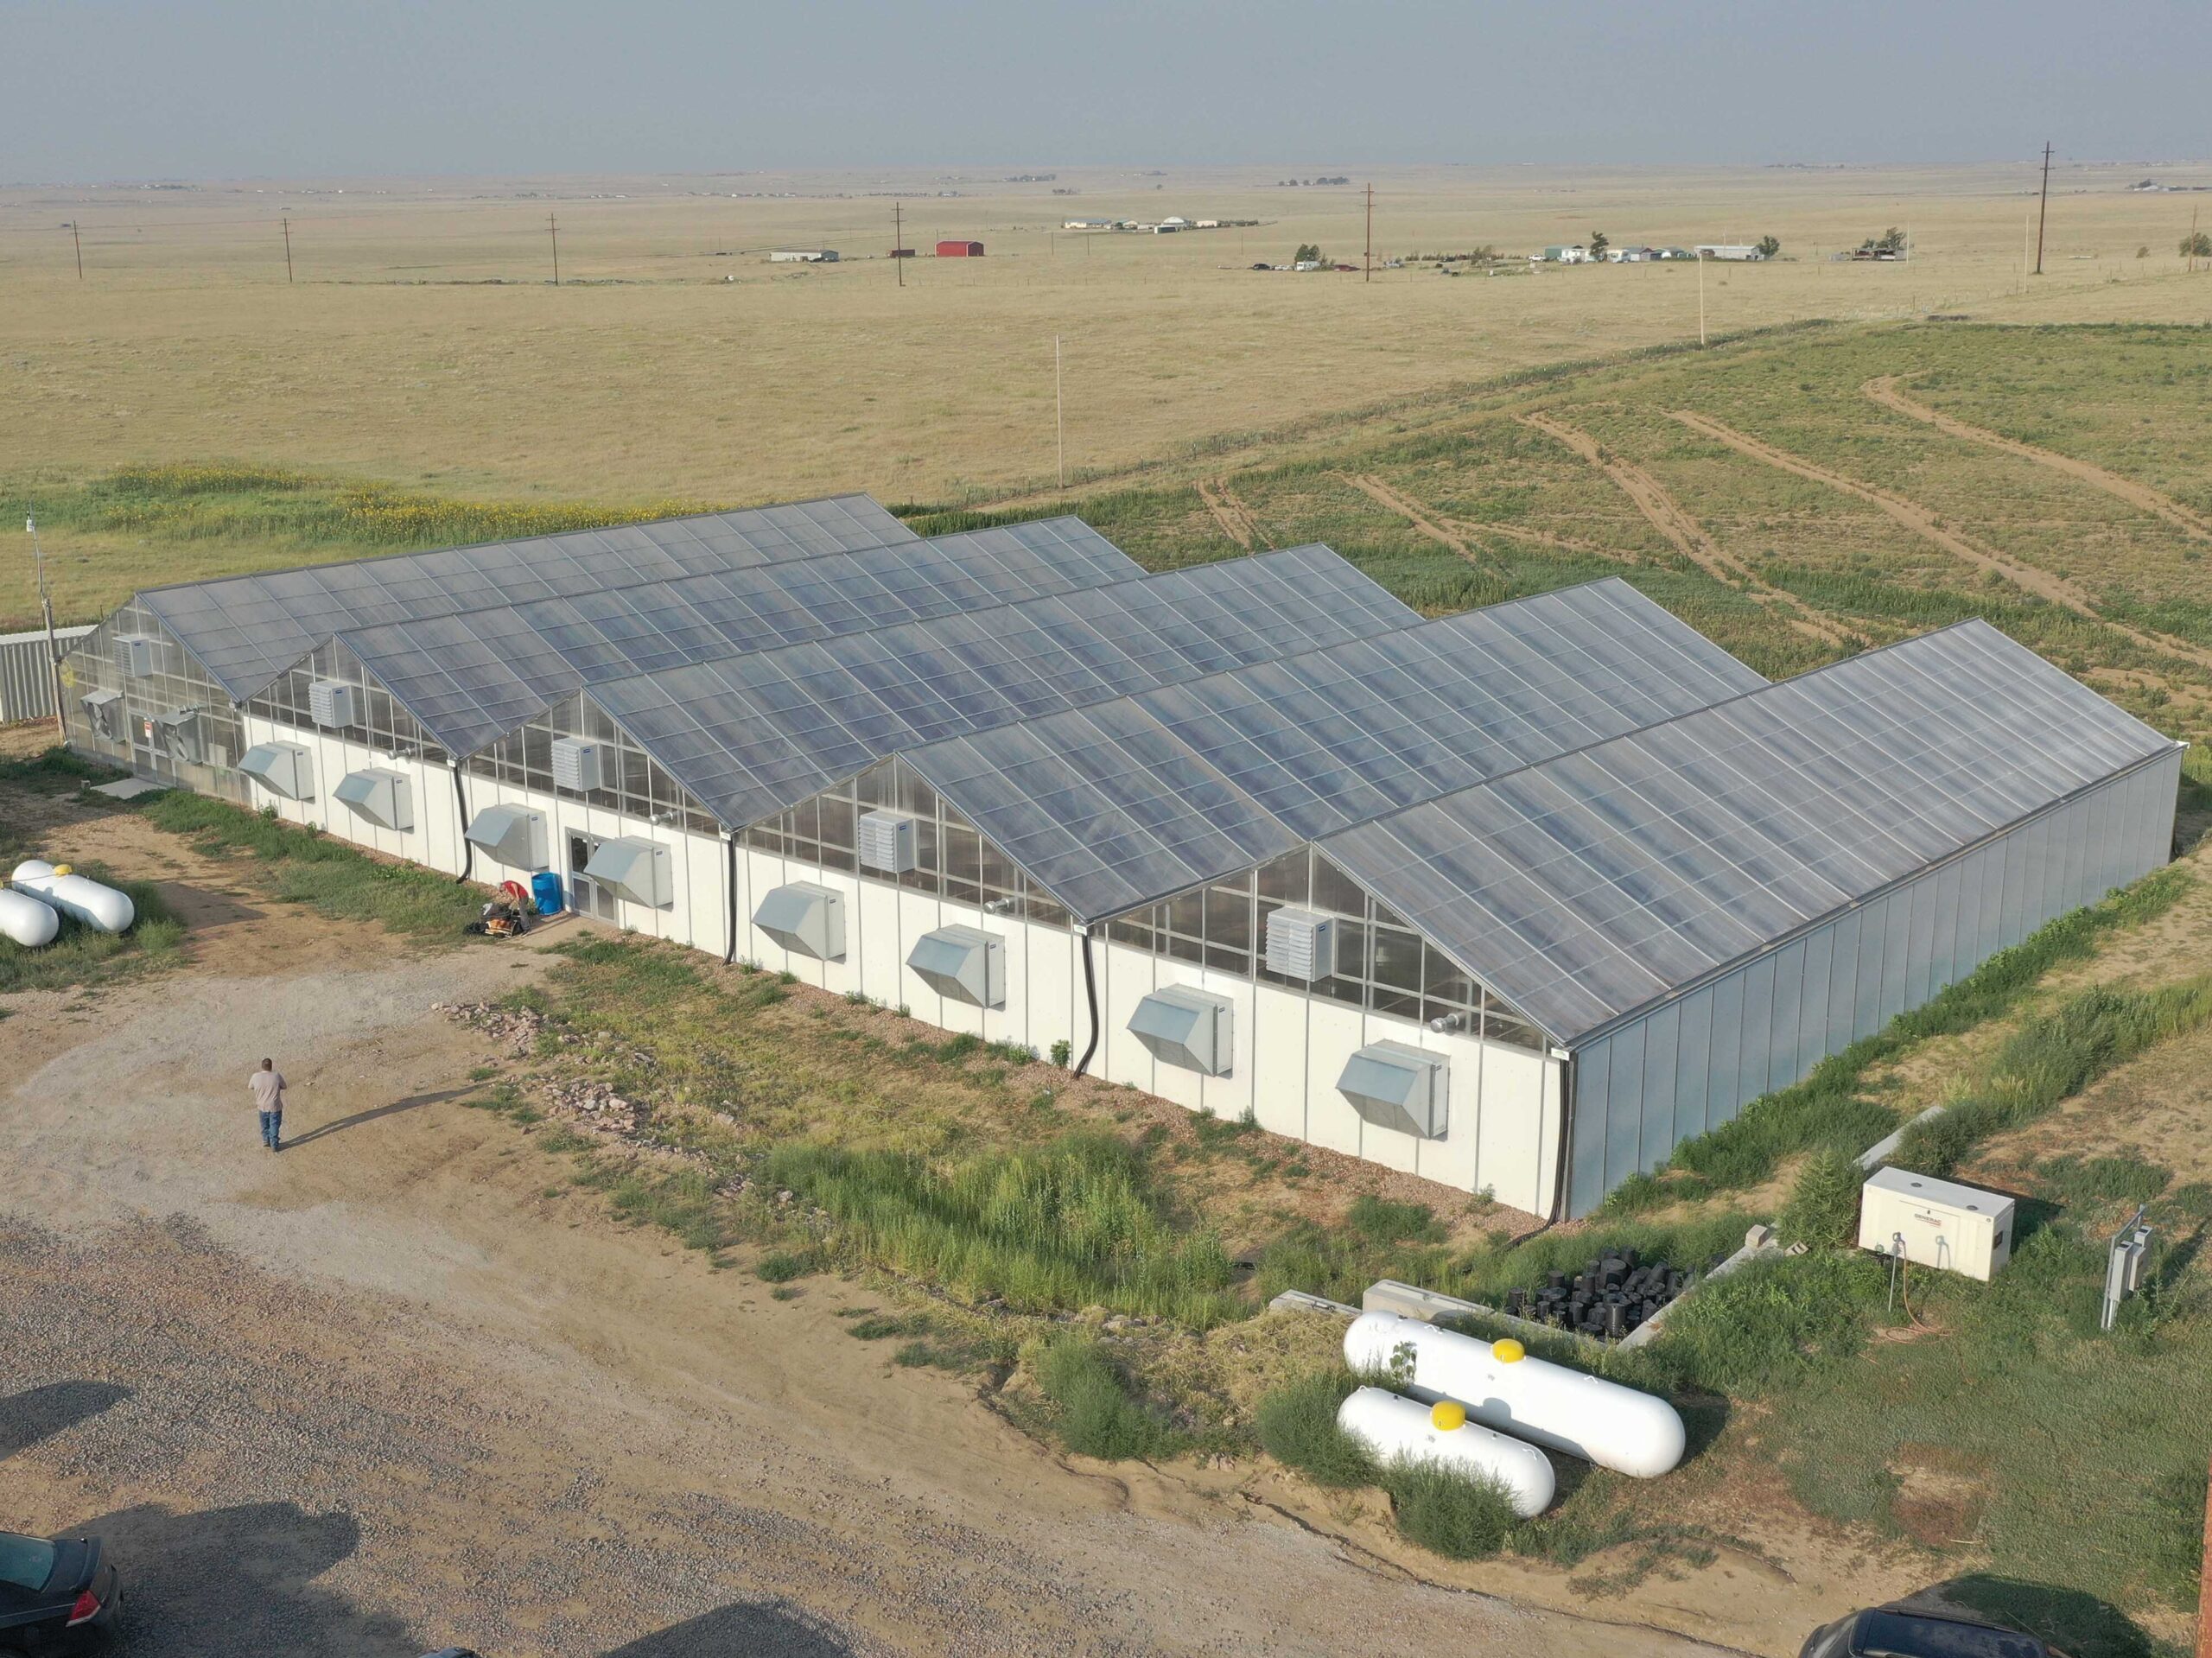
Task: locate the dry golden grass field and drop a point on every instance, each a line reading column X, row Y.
column 423, row 344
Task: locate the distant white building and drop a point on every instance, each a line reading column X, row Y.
column 1087, row 225
column 802, row 256
column 1728, row 251
column 1575, row 255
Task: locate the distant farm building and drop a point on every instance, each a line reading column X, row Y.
column 1087, row 225
column 1728, row 251
column 1566, row 255
column 902, row 253
column 959, row 250
column 802, row 256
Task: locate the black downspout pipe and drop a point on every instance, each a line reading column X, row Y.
column 1089, row 995
column 730, row 955
column 467, row 846
column 1559, row 1172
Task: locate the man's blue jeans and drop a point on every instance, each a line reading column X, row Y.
column 272, row 1129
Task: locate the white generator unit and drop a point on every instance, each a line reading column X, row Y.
column 333, row 705
column 578, row 765
column 1302, row 945
column 887, row 843
column 1932, row 1223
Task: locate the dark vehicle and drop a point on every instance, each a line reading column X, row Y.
column 54, row 1590
column 1888, row 1632
column 1263, row 266
column 450, row 1652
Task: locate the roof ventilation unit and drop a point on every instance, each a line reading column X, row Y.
column 578, row 765
column 634, row 869
column 513, row 835
column 806, row 917
column 181, row 736
column 333, row 705
column 136, row 654
column 961, row 963
column 887, row 843
column 384, row 799
column 1179, row 1025
column 1394, row 1086
column 1302, row 944
column 103, row 713
column 284, row 769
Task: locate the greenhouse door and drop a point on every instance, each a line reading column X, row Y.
column 589, row 897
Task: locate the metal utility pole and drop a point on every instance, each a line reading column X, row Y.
column 2043, row 210
column 288, row 248
column 554, row 231
column 77, row 242
column 1060, row 415
column 1370, row 233
column 46, row 611
column 899, row 241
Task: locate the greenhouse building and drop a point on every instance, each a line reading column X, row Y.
column 1516, row 899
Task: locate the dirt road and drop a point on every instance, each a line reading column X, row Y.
column 390, row 1388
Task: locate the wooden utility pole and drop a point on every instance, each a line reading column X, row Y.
column 1701, row 301
column 2043, row 210
column 2192, row 242
column 288, row 248
column 554, row 231
column 899, row 241
column 2204, row 1586
column 1370, row 233
column 52, row 645
column 1060, row 415
column 77, row 242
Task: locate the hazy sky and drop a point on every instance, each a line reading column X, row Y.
column 105, row 89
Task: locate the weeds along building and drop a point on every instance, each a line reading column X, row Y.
column 1516, row 899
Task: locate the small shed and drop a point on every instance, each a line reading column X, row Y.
column 959, row 250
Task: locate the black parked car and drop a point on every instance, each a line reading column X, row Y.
column 52, row 1590
column 1889, row 1632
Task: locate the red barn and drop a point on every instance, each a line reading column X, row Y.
column 959, row 250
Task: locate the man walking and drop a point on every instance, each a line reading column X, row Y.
column 267, row 1087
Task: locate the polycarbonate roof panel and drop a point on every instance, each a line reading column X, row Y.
column 245, row 630
column 1591, row 886
column 751, row 735
column 528, row 656
column 1287, row 751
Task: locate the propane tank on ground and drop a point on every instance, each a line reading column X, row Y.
column 1600, row 1421
column 27, row 921
column 76, row 896
column 1398, row 1429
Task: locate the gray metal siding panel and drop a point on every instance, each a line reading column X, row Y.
column 1843, row 984
column 1866, row 994
column 1624, row 1106
column 1692, row 1064
column 27, row 674
column 1921, row 942
column 1586, row 1185
column 1813, row 1000
column 1989, row 914
column 1756, row 1055
column 1943, row 935
column 1655, row 1134
column 1896, row 942
column 1725, row 1095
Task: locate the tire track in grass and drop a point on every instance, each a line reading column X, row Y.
column 1684, row 533
column 2044, row 584
column 1884, row 389
column 1413, row 513
column 1235, row 517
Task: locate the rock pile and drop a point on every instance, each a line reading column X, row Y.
column 594, row 1106
column 518, row 1028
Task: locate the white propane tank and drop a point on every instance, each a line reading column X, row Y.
column 27, row 921
column 1600, row 1421
column 1398, row 1429
column 75, row 896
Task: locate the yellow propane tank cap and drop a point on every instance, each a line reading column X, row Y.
column 62, row 870
column 1508, row 1351
column 1446, row 1414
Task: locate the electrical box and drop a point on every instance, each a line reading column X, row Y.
column 1182, row 1026
column 1302, row 944
column 579, row 764
column 103, row 713
column 136, row 654
column 887, row 843
column 1934, row 1223
column 333, row 705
